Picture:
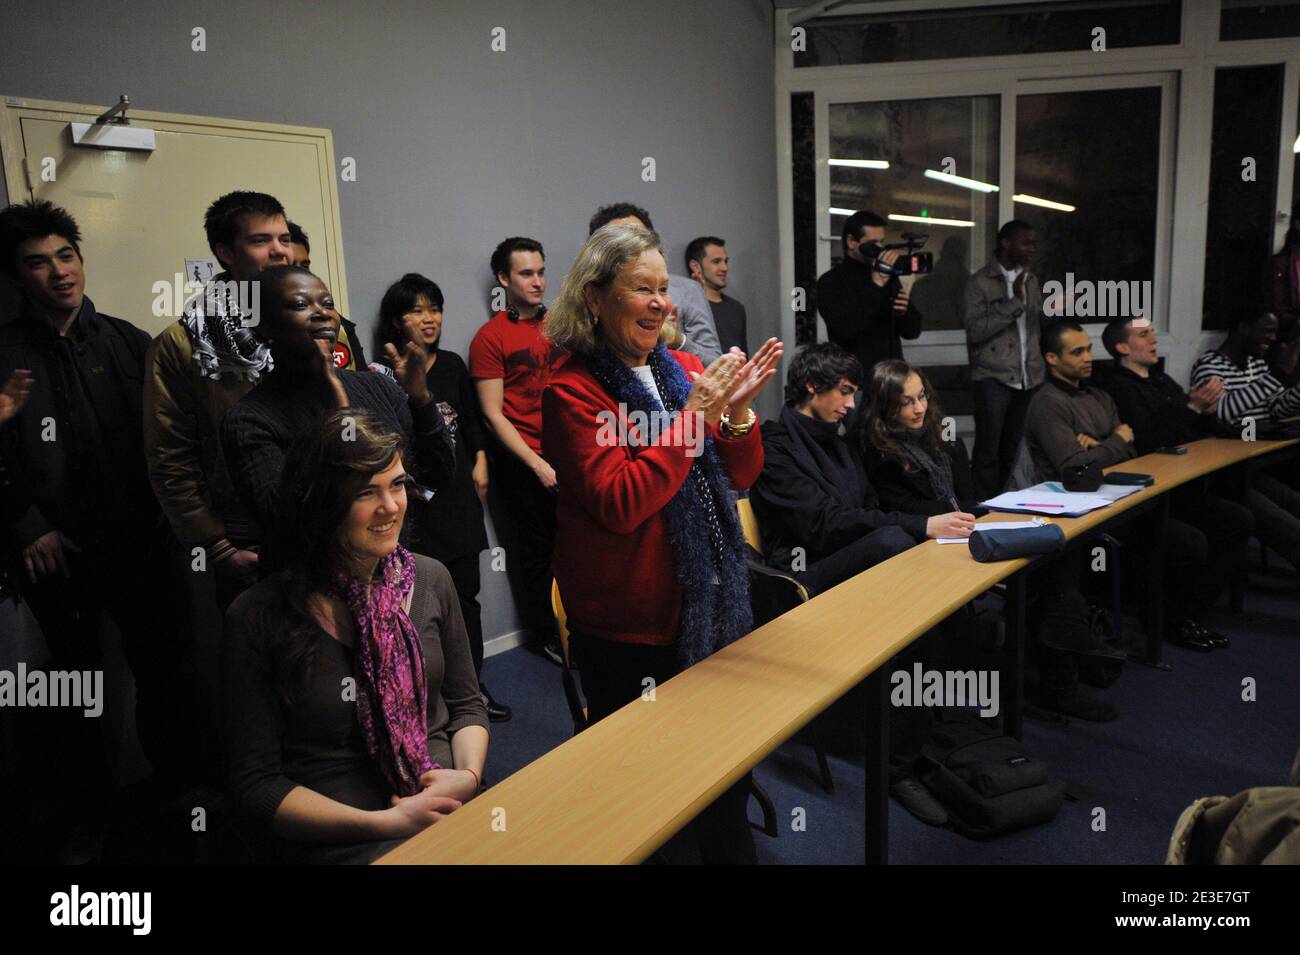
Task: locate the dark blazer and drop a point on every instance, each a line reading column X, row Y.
column 90, row 481
column 799, row 504
column 911, row 491
column 860, row 315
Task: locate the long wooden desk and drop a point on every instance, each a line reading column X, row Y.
column 620, row 789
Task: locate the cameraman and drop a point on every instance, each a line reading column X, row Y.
column 866, row 310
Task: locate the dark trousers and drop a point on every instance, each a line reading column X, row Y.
column 909, row 725
column 1189, row 588
column 1226, row 527
column 531, row 511
column 465, row 576
column 1276, row 506
column 852, row 559
column 999, row 425
column 612, row 676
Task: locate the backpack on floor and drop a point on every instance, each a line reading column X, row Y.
column 988, row 782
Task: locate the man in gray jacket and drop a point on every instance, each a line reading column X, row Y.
column 1004, row 314
column 694, row 317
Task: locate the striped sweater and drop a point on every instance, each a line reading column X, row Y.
column 1253, row 392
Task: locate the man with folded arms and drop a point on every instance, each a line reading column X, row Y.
column 1072, row 424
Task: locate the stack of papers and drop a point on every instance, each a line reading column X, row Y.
column 1050, row 498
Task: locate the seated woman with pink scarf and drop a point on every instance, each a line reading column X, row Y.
column 354, row 717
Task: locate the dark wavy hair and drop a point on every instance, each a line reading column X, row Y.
column 33, row 220
column 874, row 425
column 822, row 365
column 326, row 468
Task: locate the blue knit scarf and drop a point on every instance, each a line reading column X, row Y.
column 703, row 529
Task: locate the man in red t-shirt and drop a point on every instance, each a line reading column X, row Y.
column 511, row 362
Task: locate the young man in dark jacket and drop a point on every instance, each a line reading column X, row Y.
column 82, row 530
column 819, row 515
column 821, row 519
column 197, row 368
column 1162, row 415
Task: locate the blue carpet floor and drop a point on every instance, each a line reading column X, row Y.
column 1181, row 734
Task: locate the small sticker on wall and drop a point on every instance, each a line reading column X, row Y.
column 200, row 271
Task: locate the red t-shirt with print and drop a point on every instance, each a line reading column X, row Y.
column 516, row 351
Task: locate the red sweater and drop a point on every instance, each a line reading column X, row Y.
column 612, row 558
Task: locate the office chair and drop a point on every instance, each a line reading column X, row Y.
column 771, row 593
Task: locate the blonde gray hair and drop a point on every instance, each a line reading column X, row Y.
column 569, row 323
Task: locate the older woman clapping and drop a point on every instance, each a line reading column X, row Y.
column 647, row 444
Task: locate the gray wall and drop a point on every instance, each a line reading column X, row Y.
column 457, row 146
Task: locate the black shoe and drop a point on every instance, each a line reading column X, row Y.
column 1189, row 634
column 1081, row 704
column 497, row 712
column 552, row 651
column 919, row 801
column 1217, row 640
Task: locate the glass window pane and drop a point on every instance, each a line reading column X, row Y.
column 951, row 137
column 898, row 37
column 1253, row 20
column 1243, row 187
column 1096, row 152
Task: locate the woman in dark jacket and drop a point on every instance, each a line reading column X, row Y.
column 353, row 714
column 299, row 322
column 914, row 469
column 449, row 528
column 912, row 466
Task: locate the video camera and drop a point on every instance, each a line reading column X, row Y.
column 911, row 263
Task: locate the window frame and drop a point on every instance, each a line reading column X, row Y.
column 1186, row 71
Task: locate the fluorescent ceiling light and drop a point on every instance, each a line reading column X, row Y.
column 842, row 212
column 931, row 220
column 1045, row 203
column 860, row 163
column 961, row 181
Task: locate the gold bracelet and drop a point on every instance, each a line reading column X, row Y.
column 738, row 430
column 477, row 782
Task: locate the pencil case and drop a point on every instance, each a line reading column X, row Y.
column 988, row 546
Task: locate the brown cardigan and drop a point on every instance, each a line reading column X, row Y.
column 317, row 743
